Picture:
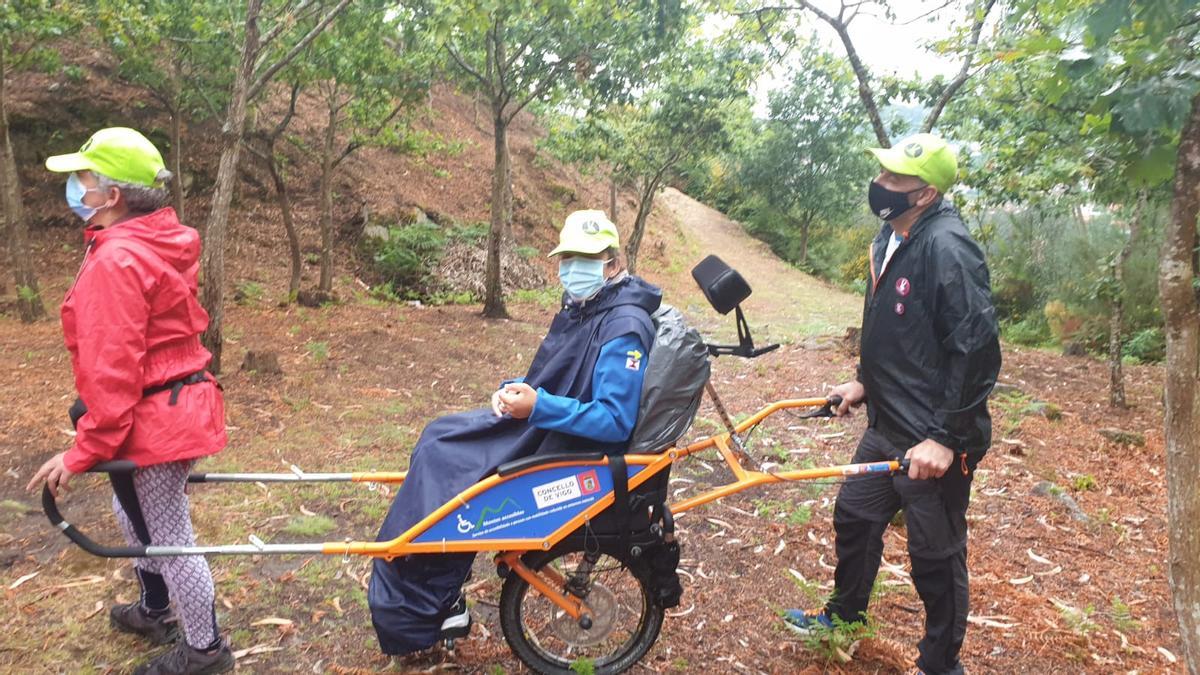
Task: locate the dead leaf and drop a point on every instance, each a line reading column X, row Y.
column 23, row 579
column 272, row 621
column 306, row 511
column 256, row 649
column 990, row 621
column 1037, row 558
column 96, row 610
column 1167, row 655
column 1022, row 580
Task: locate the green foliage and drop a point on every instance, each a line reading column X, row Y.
column 319, row 351
column 1148, row 345
column 1083, row 483
column 583, row 667
column 1122, row 617
column 796, row 180
column 1078, row 620
column 27, row 293
column 248, row 293
column 407, row 257
column 1032, row 331
column 833, row 643
column 781, row 509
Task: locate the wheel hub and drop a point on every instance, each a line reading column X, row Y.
column 603, row 606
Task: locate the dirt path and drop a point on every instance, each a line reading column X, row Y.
column 786, row 301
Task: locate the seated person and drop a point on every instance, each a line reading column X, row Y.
column 581, row 394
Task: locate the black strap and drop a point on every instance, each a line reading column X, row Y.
column 122, row 484
column 620, row 477
column 176, row 386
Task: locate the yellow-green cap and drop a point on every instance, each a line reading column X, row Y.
column 925, row 156
column 587, row 232
column 122, row 154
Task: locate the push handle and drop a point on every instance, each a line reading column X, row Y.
column 83, row 541
column 831, row 405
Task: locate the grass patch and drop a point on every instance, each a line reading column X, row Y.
column 310, row 526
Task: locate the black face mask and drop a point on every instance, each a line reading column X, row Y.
column 888, row 204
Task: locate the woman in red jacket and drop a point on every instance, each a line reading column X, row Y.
column 132, row 324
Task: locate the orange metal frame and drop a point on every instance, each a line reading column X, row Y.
column 509, row 551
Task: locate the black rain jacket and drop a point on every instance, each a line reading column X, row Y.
column 930, row 341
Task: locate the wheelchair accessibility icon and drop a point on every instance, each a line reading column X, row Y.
column 464, row 526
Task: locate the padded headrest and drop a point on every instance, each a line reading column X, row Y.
column 722, row 285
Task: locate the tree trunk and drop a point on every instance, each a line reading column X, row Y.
column 326, row 283
column 805, row 224
column 177, row 162
column 289, row 225
column 612, row 200
column 493, row 304
column 1116, row 389
column 645, row 205
column 29, row 298
column 1181, row 313
column 213, row 262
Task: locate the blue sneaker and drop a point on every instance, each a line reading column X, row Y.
column 804, row 621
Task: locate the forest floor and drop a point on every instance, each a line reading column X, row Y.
column 1054, row 590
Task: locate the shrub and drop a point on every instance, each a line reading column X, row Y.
column 1147, row 346
column 407, row 256
column 1031, row 331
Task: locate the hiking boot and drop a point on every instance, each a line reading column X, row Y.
column 807, row 621
column 133, row 618
column 458, row 623
column 185, row 660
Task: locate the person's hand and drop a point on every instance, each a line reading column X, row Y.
column 498, row 406
column 928, row 459
column 853, row 393
column 55, row 473
column 518, row 399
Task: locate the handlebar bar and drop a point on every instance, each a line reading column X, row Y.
column 50, row 506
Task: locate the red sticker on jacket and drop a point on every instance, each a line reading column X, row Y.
column 903, row 287
column 900, row 308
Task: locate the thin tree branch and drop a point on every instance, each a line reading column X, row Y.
column 469, row 70
column 964, row 73
column 265, row 77
column 282, row 23
column 860, row 70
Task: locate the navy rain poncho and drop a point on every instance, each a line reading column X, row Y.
column 410, row 596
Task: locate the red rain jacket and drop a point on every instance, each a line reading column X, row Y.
column 131, row 322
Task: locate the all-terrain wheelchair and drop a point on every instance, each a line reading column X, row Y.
column 585, row 542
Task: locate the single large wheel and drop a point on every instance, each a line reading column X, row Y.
column 625, row 621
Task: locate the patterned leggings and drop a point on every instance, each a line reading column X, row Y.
column 188, row 581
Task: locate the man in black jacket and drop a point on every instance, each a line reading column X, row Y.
column 930, row 356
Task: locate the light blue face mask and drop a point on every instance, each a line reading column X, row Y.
column 75, row 193
column 581, row 277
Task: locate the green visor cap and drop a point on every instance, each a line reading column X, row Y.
column 588, row 232
column 925, row 156
column 121, row 154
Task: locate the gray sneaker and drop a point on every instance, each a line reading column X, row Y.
column 131, row 618
column 184, row 660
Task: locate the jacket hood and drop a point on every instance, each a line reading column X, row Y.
column 630, row 290
column 160, row 231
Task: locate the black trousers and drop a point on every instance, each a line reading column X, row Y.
column 935, row 515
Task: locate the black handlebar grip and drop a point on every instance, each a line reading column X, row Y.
column 114, row 466
column 834, row 401
column 904, row 463
column 50, row 506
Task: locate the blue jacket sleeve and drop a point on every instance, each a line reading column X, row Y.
column 616, row 394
